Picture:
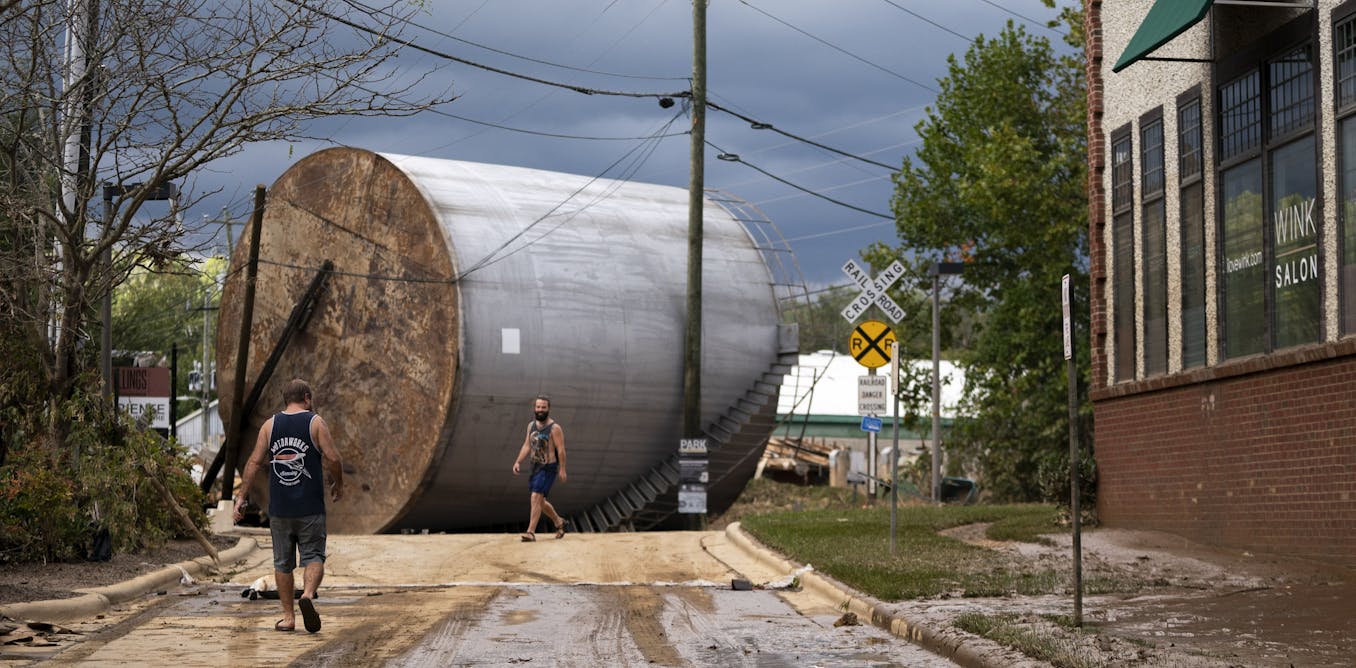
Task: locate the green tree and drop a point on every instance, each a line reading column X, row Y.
column 155, row 311
column 999, row 185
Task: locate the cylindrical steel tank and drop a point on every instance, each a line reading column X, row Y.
column 463, row 290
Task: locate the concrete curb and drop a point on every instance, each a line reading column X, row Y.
column 96, row 600
column 961, row 650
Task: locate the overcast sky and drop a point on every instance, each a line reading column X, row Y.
column 852, row 74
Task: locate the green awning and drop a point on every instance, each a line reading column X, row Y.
column 1165, row 20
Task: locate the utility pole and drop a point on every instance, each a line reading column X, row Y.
column 206, row 370
column 696, row 199
column 238, row 421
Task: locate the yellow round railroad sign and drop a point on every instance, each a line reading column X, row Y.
column 870, row 344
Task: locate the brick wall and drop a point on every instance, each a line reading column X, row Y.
column 1092, row 26
column 1257, row 456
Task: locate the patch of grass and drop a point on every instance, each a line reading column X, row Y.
column 1009, row 630
column 853, row 545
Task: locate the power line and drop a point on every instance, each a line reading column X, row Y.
column 759, row 125
column 837, row 48
column 927, row 20
column 844, row 230
column 491, row 259
column 357, row 4
column 1034, row 22
column 549, row 134
column 733, row 157
column 447, row 56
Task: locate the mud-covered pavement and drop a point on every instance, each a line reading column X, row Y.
column 489, row 600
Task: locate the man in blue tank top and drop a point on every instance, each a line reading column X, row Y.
column 296, row 445
column 545, row 445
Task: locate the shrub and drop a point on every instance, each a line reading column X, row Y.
column 53, row 497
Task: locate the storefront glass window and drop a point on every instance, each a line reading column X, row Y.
column 1244, row 268
column 1298, row 314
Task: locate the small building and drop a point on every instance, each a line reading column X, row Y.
column 190, row 434
column 817, row 405
column 1222, row 195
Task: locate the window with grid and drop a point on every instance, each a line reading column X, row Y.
column 1344, row 57
column 1240, row 116
column 1123, row 254
column 1154, row 237
column 1189, row 142
column 1269, row 216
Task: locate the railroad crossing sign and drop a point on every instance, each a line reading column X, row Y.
column 873, row 291
column 871, row 394
column 870, row 344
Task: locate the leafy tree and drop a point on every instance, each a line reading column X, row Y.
column 155, row 311
column 999, row 185
column 819, row 321
column 163, row 90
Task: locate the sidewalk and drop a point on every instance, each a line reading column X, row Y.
column 98, row 600
column 964, row 649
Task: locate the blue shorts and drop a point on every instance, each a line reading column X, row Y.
column 293, row 534
column 543, row 476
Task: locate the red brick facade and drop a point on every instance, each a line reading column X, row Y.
column 1256, row 454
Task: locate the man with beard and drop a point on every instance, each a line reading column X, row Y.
column 545, row 445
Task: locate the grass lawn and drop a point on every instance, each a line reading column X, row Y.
column 852, row 545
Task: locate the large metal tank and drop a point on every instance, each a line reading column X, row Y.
column 463, row 290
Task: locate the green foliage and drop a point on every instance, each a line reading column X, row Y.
column 155, row 310
column 999, row 185
column 853, row 545
column 50, row 498
column 820, row 323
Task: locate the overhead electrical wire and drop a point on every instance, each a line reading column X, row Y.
column 837, row 48
column 1028, row 19
column 358, row 4
column 457, row 59
column 734, row 157
column 491, row 258
column 927, row 20
column 759, row 125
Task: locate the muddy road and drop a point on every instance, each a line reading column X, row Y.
column 645, row 599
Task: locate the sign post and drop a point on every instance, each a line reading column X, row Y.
column 894, row 451
column 870, row 345
column 1074, row 511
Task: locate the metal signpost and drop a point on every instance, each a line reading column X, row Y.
column 937, row 270
column 870, row 344
column 1074, row 511
column 871, row 391
column 894, row 450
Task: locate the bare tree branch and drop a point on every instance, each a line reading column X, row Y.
column 171, row 86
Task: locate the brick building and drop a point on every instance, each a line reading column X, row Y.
column 1222, row 195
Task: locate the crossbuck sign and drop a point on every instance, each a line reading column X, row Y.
column 873, row 291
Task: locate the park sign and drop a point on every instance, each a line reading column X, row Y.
column 873, row 291
column 144, row 393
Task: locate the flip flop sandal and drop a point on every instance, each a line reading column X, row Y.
column 286, row 629
column 560, row 529
column 529, row 537
column 309, row 616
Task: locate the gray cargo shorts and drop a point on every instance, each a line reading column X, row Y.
column 293, row 534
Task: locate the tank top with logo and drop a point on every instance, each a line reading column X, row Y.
column 540, row 439
column 296, row 486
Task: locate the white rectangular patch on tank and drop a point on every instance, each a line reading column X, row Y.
column 510, row 339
